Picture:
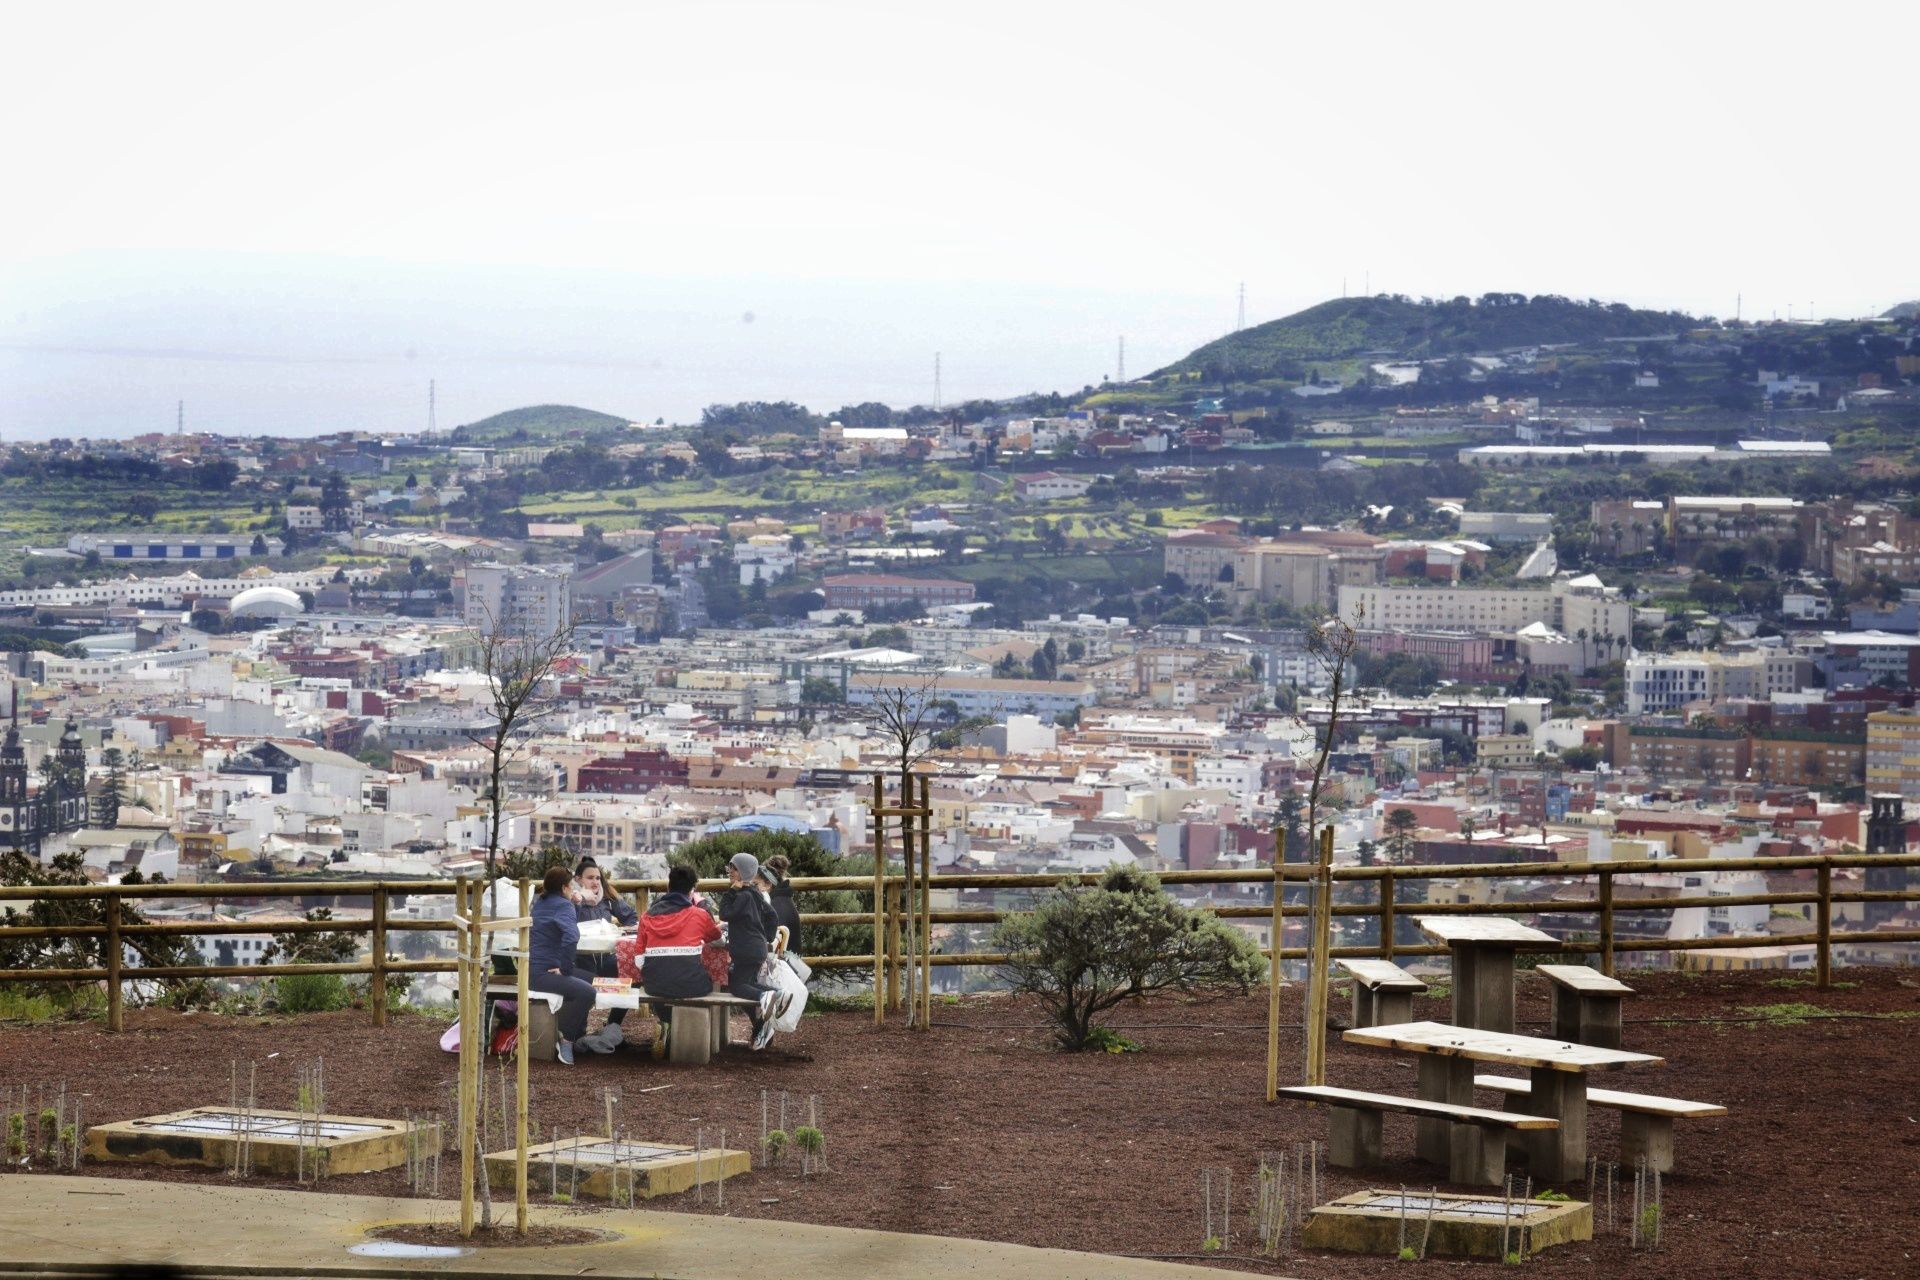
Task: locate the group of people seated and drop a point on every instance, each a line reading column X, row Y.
column 672, row 935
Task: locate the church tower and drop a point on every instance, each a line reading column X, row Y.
column 1886, row 833
column 13, row 782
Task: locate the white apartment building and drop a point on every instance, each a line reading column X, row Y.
column 1663, row 682
column 527, row 599
column 1568, row 605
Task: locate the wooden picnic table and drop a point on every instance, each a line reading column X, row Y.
column 1483, row 948
column 1556, row 1067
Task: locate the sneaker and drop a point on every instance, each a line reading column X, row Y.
column 565, row 1048
column 764, row 1036
column 766, row 1004
column 784, row 1003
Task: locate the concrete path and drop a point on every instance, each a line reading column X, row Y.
column 53, row 1224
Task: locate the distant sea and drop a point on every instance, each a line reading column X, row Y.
column 108, row 347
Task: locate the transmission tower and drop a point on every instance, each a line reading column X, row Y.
column 1241, row 322
column 430, row 406
column 1120, row 365
column 936, row 380
column 180, row 418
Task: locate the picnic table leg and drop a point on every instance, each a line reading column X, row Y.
column 1441, row 1079
column 1479, row 1156
column 1560, row 1154
column 1465, row 986
column 1566, row 1015
column 1391, row 1007
column 1363, row 1003
column 1648, row 1138
column 1600, row 1021
column 1353, row 1138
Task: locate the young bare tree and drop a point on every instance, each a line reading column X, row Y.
column 519, row 667
column 1333, row 642
column 905, row 715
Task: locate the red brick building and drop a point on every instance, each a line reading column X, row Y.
column 631, row 773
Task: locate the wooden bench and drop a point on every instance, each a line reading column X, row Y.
column 1646, row 1119
column 1382, row 992
column 1586, row 1004
column 698, row 1029
column 1354, row 1130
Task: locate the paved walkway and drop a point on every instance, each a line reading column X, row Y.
column 51, row 1223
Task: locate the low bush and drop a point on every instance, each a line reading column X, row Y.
column 1082, row 950
column 311, row 992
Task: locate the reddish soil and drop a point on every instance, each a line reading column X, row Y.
column 446, row 1235
column 979, row 1128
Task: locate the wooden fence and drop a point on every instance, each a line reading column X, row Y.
column 1384, row 905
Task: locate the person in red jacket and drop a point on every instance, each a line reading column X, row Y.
column 672, row 933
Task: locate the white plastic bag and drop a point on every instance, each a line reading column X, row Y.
column 800, row 967
column 784, row 980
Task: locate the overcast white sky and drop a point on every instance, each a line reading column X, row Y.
column 1663, row 154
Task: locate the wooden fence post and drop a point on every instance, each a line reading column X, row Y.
column 522, row 1040
column 879, row 902
column 1276, row 930
column 377, row 985
column 1823, row 971
column 115, row 1006
column 926, row 902
column 1386, row 914
column 1606, row 922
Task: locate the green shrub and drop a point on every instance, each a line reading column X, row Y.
column 1083, row 950
column 1107, row 1040
column 311, row 992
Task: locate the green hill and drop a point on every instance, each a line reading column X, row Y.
column 1398, row 326
column 540, row 424
column 1904, row 311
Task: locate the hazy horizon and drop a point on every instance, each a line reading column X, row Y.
column 263, row 210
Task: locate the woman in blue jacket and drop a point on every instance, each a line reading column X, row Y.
column 552, row 965
column 595, row 898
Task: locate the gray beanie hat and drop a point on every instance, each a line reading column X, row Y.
column 747, row 865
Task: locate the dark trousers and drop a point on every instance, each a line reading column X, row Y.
column 743, row 980
column 604, row 966
column 576, row 993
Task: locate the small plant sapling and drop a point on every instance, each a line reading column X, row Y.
column 1551, row 1194
column 813, row 1147
column 562, row 1197
column 776, row 1145
column 1513, row 1259
column 1407, row 1254
column 1211, row 1245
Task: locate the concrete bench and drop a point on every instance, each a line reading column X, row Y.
column 1354, row 1129
column 1646, row 1119
column 1383, row 992
column 698, row 1029
column 1586, row 1004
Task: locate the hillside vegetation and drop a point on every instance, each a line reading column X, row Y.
column 1398, row 326
column 540, row 424
column 1903, row 311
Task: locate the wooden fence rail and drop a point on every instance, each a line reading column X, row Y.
column 1387, row 905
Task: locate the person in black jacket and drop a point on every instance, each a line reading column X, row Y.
column 750, row 924
column 780, row 896
column 595, row 898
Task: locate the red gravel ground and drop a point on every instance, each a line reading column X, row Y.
column 979, row 1128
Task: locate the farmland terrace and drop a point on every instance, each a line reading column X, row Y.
column 980, row 1128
